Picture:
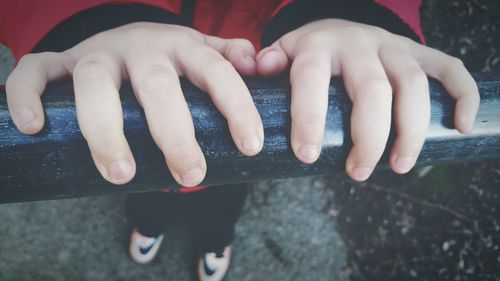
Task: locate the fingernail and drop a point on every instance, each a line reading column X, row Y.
column 404, row 164
column 25, row 116
column 309, row 152
column 467, row 123
column 360, row 173
column 192, row 177
column 119, row 170
column 251, row 144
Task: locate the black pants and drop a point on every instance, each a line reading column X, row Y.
column 211, row 213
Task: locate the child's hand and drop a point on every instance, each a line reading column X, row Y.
column 375, row 66
column 152, row 56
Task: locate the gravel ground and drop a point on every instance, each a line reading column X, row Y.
column 281, row 236
column 439, row 226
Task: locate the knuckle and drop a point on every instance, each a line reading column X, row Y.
column 157, row 80
column 287, row 39
column 371, row 154
column 453, row 66
column 312, row 119
column 375, row 86
column 29, row 58
column 414, row 78
column 137, row 32
column 103, row 138
column 242, row 43
column 315, row 38
column 404, row 42
column 236, row 44
column 363, row 34
column 311, row 69
column 455, row 63
column 92, row 66
column 181, row 150
column 219, row 66
column 414, row 135
column 355, row 31
column 181, row 34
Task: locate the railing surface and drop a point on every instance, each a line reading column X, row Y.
column 56, row 163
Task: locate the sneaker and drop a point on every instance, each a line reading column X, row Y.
column 143, row 249
column 213, row 266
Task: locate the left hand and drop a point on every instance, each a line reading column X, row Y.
column 375, row 66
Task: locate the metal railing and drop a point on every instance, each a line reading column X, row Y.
column 56, row 163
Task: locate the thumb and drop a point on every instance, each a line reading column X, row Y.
column 272, row 60
column 240, row 52
column 26, row 84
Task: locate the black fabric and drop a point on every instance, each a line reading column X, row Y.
column 302, row 12
column 150, row 212
column 187, row 10
column 211, row 213
column 98, row 19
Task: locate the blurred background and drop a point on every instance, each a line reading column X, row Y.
column 436, row 223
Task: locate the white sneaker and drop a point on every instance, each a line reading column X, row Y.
column 143, row 249
column 212, row 267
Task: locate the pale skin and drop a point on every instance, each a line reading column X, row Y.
column 377, row 67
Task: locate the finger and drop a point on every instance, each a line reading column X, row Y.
column 370, row 92
column 156, row 83
column 457, row 81
column 240, row 52
column 310, row 77
column 272, row 60
column 209, row 71
column 26, row 84
column 411, row 107
column 96, row 80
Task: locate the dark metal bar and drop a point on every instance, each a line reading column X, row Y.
column 56, row 163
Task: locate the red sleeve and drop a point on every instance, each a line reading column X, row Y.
column 23, row 23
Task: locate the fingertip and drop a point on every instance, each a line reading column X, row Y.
column 120, row 171
column 251, row 140
column 464, row 124
column 359, row 173
column 252, row 145
column 192, row 177
column 27, row 121
column 465, row 115
column 307, row 153
column 402, row 164
column 241, row 53
column 271, row 62
column 186, row 163
column 358, row 169
column 246, row 65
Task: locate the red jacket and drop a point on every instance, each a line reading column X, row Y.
column 23, row 23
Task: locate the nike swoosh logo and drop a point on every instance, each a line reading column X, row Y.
column 207, row 269
column 145, row 250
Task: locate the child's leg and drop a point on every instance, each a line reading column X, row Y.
column 150, row 212
column 213, row 215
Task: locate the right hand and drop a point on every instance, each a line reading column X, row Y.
column 152, row 56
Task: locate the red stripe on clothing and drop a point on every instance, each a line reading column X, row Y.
column 186, row 189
